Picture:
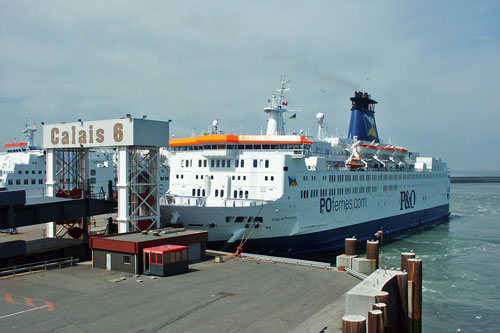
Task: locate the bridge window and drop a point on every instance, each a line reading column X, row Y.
column 254, row 163
column 236, row 163
column 267, row 163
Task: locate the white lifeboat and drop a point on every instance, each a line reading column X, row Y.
column 365, row 150
column 384, row 152
column 400, row 153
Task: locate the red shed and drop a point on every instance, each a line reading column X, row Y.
column 166, row 260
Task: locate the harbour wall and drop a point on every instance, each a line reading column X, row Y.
column 475, row 179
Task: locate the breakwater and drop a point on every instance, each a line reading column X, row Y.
column 475, row 179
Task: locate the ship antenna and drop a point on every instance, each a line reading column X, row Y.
column 285, row 86
column 29, row 131
column 276, row 107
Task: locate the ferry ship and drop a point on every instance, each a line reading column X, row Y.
column 290, row 195
column 23, row 167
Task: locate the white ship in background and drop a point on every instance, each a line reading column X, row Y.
column 288, row 195
column 22, row 167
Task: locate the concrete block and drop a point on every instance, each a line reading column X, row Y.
column 363, row 265
column 345, row 260
column 219, row 259
column 360, row 298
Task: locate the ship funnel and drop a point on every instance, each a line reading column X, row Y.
column 362, row 123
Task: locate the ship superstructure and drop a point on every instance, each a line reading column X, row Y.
column 294, row 196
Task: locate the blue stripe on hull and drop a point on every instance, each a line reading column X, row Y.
column 329, row 241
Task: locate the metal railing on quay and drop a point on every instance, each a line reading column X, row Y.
column 40, row 265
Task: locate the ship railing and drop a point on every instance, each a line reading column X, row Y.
column 235, row 202
column 184, row 200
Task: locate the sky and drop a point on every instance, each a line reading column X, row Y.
column 434, row 67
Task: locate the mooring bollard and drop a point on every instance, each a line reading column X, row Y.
column 350, row 246
column 402, row 320
column 382, row 307
column 375, row 321
column 353, row 324
column 382, row 297
column 404, row 260
column 415, row 294
column 345, row 260
column 372, row 250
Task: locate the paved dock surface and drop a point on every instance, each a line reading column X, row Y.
column 239, row 295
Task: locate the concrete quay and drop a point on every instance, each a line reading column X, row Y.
column 236, row 295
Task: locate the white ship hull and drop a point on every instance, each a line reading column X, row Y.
column 302, row 227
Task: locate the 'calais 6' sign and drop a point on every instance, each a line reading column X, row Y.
column 106, row 133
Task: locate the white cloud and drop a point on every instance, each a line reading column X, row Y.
column 195, row 61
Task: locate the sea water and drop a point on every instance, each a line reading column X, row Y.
column 461, row 262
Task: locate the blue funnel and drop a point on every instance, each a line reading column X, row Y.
column 362, row 123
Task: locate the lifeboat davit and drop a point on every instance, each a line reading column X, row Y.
column 366, row 151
